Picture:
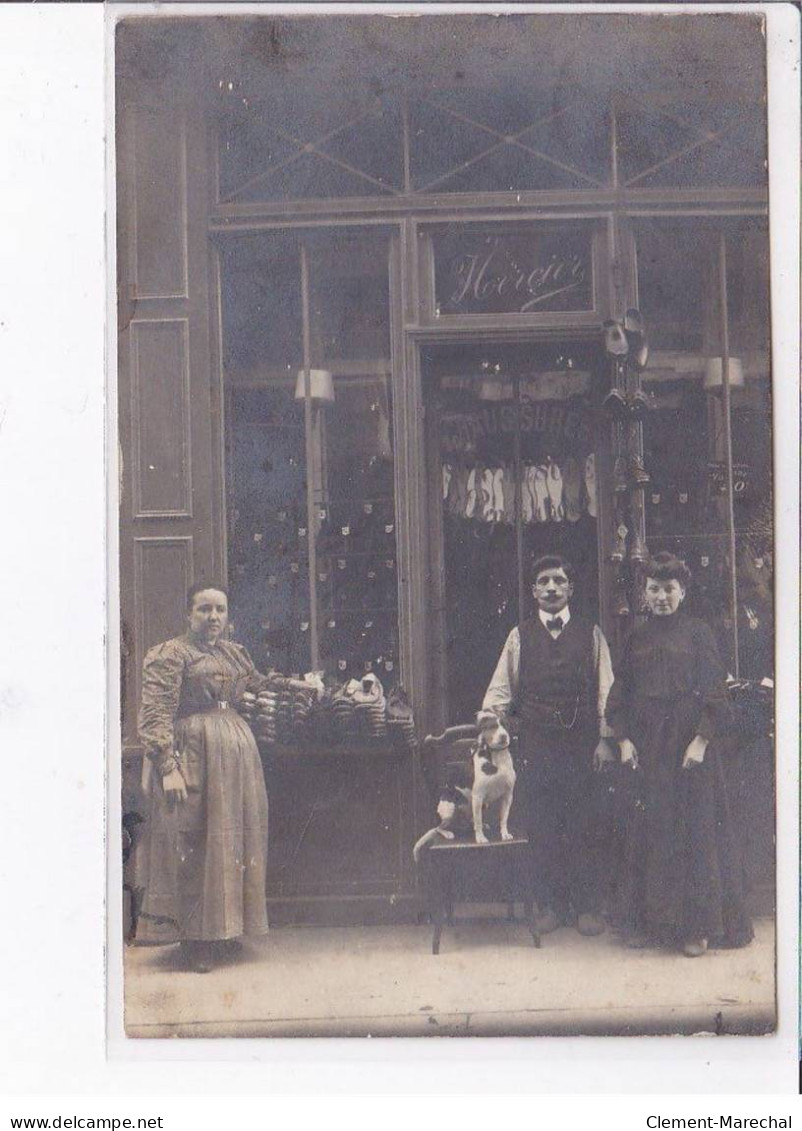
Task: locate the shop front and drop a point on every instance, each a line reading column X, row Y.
column 371, row 365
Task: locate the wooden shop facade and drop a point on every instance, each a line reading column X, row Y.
column 364, row 268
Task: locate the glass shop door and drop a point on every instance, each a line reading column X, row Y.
column 512, row 474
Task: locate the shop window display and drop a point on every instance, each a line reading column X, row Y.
column 686, row 500
column 312, row 528
column 516, row 468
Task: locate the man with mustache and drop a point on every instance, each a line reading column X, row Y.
column 553, row 676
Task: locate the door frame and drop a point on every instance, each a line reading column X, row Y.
column 424, row 637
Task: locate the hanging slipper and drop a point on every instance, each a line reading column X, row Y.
column 615, row 340
column 640, row 475
column 470, row 508
column 554, row 485
column 638, row 551
column 635, row 331
column 620, row 481
column 499, row 512
column 619, row 550
column 621, row 605
column 572, row 490
column 615, row 403
column 461, row 492
column 527, row 498
column 639, row 403
column 590, row 485
column 447, row 473
column 540, row 492
column 508, row 488
column 488, row 496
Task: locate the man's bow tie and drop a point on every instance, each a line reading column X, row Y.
column 554, row 625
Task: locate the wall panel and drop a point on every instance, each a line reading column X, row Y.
column 161, row 475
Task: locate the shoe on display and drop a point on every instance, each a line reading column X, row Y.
column 639, row 403
column 638, row 472
column 622, row 608
column 400, row 719
column 620, row 481
column 619, row 550
column 635, row 330
column 637, row 550
column 615, row 340
column 615, row 402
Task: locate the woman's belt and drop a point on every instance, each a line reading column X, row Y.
column 207, row 708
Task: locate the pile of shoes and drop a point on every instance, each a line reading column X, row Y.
column 260, row 710
column 287, row 712
column 370, row 708
column 320, row 722
column 400, row 720
column 343, row 709
column 280, row 712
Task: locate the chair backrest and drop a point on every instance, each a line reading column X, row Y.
column 448, row 757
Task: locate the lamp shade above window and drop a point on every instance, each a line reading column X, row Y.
column 321, row 386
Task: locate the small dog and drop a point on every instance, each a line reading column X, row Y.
column 493, row 774
column 453, row 809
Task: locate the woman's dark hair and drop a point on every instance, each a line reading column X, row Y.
column 194, row 590
column 666, row 566
column 552, row 561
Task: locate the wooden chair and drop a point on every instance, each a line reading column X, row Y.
column 460, row 869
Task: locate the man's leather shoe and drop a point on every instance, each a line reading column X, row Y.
column 590, row 925
column 546, row 921
column 637, row 942
column 197, row 956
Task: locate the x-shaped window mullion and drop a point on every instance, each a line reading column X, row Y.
column 699, row 143
column 305, row 148
column 507, row 139
column 704, row 136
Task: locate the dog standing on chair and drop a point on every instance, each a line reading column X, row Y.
column 493, row 774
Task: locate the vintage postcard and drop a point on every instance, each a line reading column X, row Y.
column 446, row 540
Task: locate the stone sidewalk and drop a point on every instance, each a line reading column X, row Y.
column 487, row 981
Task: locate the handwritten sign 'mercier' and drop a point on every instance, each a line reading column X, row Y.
column 513, row 274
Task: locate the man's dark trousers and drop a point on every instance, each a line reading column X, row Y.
column 562, row 793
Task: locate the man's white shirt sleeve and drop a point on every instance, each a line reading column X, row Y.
column 502, row 690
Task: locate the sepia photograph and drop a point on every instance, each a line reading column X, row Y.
column 446, row 523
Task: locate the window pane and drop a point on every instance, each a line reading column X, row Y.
column 261, row 297
column 684, row 433
column 346, row 461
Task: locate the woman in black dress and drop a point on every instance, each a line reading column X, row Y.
column 668, row 707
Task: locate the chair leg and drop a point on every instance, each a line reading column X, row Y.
column 438, row 931
column 529, row 915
